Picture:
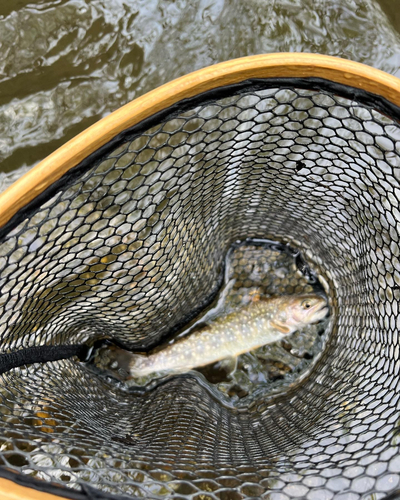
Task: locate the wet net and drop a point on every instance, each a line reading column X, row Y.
column 130, row 246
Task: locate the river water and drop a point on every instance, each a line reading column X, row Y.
column 65, row 64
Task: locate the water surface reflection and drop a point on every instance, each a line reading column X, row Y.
column 67, row 63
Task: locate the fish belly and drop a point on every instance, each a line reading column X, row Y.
column 207, row 346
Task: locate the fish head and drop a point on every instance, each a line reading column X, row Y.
column 298, row 311
column 306, row 309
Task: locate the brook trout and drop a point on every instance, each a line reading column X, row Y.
column 259, row 323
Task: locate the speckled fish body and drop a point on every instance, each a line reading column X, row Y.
column 259, row 323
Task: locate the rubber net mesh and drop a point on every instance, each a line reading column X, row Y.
column 132, row 245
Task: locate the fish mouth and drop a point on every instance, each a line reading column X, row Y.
column 320, row 312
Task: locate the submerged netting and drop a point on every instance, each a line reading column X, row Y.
column 130, row 246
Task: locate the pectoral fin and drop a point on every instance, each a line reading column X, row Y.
column 281, row 327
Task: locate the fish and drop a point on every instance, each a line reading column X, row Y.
column 259, row 323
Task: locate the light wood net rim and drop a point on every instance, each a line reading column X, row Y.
column 12, row 491
column 278, row 65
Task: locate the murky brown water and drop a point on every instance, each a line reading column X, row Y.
column 64, row 64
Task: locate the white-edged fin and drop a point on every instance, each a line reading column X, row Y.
column 281, row 327
column 228, row 365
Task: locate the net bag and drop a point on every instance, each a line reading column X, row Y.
column 122, row 234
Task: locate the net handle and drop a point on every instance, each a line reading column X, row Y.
column 278, row 65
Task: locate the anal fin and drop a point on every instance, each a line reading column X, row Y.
column 219, row 371
column 228, row 365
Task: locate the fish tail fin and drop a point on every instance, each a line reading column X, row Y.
column 117, row 360
column 130, row 363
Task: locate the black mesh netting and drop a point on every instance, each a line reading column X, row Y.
column 131, row 245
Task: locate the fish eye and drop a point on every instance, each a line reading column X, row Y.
column 306, row 304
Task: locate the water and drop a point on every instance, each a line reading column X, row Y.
column 65, row 64
column 253, row 269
